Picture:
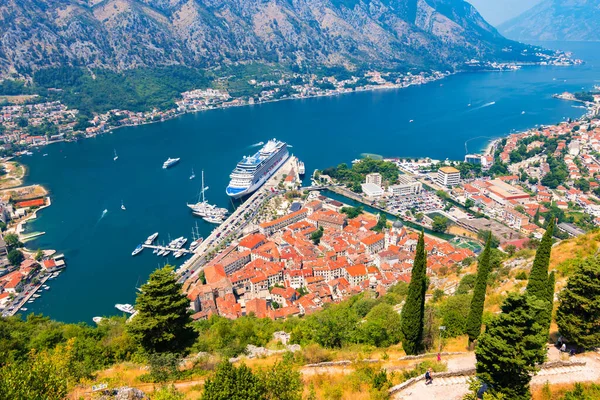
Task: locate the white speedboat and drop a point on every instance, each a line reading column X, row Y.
column 126, row 308
column 151, row 238
column 122, row 206
column 137, row 250
column 170, row 162
column 193, row 175
column 213, row 219
column 116, row 157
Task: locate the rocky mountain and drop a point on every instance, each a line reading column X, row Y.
column 556, row 20
column 124, row 34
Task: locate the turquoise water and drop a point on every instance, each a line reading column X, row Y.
column 84, row 180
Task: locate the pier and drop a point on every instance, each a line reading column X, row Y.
column 173, row 249
column 28, row 296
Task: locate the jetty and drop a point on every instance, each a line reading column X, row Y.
column 173, row 249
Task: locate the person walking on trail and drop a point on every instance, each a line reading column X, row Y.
column 439, row 357
column 428, row 378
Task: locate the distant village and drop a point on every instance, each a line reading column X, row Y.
column 29, row 125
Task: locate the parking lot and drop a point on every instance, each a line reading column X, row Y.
column 424, row 202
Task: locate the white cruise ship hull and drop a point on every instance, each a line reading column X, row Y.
column 237, row 192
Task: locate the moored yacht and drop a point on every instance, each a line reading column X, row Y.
column 137, row 250
column 170, row 162
column 126, row 308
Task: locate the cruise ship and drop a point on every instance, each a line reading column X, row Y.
column 253, row 171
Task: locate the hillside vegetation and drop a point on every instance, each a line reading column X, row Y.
column 53, row 359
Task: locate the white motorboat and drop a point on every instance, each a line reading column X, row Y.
column 126, row 308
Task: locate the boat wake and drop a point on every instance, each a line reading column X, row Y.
column 257, row 144
column 103, row 214
column 491, row 103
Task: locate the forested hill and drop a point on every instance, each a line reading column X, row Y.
column 125, row 34
column 557, row 20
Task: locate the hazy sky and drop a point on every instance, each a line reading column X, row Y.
column 498, row 11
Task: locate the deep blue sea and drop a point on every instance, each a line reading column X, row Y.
column 84, row 180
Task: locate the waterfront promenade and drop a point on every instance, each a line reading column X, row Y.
column 233, row 227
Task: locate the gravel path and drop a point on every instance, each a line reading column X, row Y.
column 455, row 388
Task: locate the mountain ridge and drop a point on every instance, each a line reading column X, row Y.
column 556, row 20
column 126, row 34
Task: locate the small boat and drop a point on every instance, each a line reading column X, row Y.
column 155, row 251
column 412, row 120
column 170, row 162
column 37, row 295
column 126, row 308
column 23, row 309
column 522, row 112
column 178, row 254
column 30, row 301
column 166, row 253
column 97, row 319
column 45, row 155
column 123, row 206
column 213, row 219
column 116, row 157
column 301, row 168
column 193, row 175
column 137, row 250
column 151, row 238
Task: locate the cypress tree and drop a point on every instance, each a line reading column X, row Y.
column 413, row 311
column 473, row 327
column 511, row 348
column 578, row 313
column 538, row 278
column 551, row 284
column 162, row 323
column 550, row 300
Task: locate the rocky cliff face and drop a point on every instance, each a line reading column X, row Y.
column 557, row 20
column 123, row 34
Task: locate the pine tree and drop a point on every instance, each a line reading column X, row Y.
column 511, row 347
column 231, row 383
column 162, row 322
column 473, row 327
column 538, row 278
column 413, row 311
column 579, row 308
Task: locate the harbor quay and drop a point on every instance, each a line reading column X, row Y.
column 238, row 223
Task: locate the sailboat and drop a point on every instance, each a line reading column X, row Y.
column 202, row 207
column 122, row 206
column 193, row 175
column 197, row 239
column 116, row 156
